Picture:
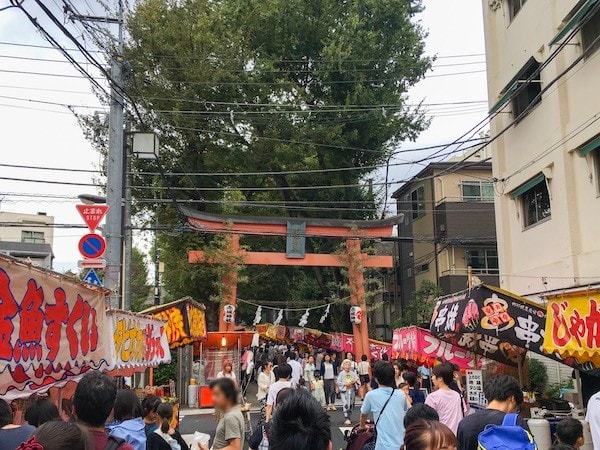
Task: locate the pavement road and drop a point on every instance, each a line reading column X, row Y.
column 205, row 423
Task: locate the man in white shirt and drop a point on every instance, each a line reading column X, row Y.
column 283, row 372
column 593, row 419
column 296, row 370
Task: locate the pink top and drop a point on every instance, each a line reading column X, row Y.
column 447, row 403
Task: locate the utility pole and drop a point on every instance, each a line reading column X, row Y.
column 114, row 176
column 128, row 232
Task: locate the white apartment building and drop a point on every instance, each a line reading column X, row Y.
column 543, row 63
column 28, row 237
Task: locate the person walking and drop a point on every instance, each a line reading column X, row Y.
column 296, row 369
column 283, row 373
column 231, row 430
column 504, row 396
column 447, row 402
column 318, row 391
column 328, row 374
column 309, row 371
column 265, row 379
column 347, row 383
column 364, row 375
column 388, row 406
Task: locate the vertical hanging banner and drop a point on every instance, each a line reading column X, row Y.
column 138, row 341
column 185, row 321
column 52, row 329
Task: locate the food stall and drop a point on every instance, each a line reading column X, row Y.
column 51, row 329
column 185, row 324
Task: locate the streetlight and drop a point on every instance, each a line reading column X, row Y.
column 92, row 199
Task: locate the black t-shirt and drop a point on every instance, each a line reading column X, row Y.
column 470, row 427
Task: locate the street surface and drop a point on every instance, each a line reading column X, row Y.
column 205, row 423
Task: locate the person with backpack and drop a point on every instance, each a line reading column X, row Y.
column 128, row 423
column 93, row 402
column 447, row 402
column 504, row 396
column 165, row 437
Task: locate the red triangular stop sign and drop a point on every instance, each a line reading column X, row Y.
column 92, row 214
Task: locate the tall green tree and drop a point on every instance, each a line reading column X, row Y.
column 140, row 288
column 420, row 309
column 271, row 88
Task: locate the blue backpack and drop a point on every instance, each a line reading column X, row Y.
column 508, row 436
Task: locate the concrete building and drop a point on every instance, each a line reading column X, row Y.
column 28, row 237
column 543, row 67
column 547, row 161
column 448, row 226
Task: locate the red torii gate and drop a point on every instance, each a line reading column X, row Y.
column 298, row 229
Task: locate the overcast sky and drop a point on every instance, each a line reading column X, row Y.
column 48, row 135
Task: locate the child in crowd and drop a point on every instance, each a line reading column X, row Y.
column 569, row 431
column 318, row 389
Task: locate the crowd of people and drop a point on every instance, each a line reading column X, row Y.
column 103, row 418
column 297, row 393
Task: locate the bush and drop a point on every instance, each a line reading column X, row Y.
column 538, row 375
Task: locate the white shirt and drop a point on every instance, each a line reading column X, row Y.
column 264, row 382
column 296, row 371
column 274, row 390
column 230, row 375
column 593, row 418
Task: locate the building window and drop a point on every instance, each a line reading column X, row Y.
column 514, row 6
column 483, row 261
column 477, row 191
column 33, row 237
column 420, row 268
column 528, row 88
column 417, row 199
column 590, row 34
column 536, row 203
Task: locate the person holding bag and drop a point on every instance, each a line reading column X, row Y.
column 388, row 407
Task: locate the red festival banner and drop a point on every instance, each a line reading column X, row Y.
column 52, row 329
column 419, row 344
column 138, row 341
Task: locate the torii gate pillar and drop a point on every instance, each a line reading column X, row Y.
column 356, row 281
column 229, row 281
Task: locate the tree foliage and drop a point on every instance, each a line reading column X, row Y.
column 273, row 86
column 420, row 309
column 140, row 289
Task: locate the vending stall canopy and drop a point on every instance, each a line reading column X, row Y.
column 139, row 342
column 185, row 321
column 217, row 339
column 419, row 344
column 52, row 329
column 573, row 329
column 491, row 322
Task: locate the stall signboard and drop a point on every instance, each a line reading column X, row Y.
column 52, row 329
column 475, row 395
column 377, row 349
column 573, row 329
column 491, row 322
column 138, row 341
column 297, row 334
column 185, row 321
column 419, row 344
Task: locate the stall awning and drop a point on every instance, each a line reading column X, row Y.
column 185, row 318
column 492, row 322
column 419, row 344
column 573, row 328
column 139, row 342
column 527, row 185
column 574, row 21
column 506, row 96
column 592, row 145
column 53, row 329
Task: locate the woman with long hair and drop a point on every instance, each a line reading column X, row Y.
column 165, row 437
column 328, row 374
column 429, row 435
column 227, row 372
column 128, row 423
column 150, row 418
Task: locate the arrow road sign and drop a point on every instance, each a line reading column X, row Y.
column 92, row 214
column 92, row 246
column 91, row 264
column 92, row 278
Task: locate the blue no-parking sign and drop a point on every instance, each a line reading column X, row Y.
column 92, row 246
